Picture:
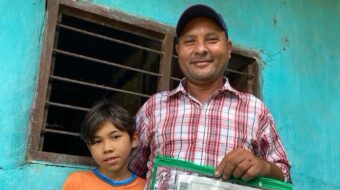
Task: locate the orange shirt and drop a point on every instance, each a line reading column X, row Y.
column 87, row 180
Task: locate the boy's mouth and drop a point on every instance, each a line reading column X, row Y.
column 110, row 159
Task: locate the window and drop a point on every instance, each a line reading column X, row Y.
column 90, row 52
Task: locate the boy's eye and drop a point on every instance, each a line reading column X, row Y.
column 115, row 136
column 96, row 141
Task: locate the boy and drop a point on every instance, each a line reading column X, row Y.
column 110, row 134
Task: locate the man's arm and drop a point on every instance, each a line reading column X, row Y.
column 268, row 157
column 138, row 161
column 140, row 155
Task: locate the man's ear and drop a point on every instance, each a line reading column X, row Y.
column 135, row 139
column 176, row 47
column 229, row 46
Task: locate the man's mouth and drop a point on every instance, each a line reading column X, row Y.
column 201, row 62
column 198, row 60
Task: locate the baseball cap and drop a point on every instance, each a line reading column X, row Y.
column 199, row 10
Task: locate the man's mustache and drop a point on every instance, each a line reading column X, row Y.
column 200, row 59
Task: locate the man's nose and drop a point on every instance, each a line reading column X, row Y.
column 201, row 48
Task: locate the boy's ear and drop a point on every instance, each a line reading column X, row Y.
column 135, row 139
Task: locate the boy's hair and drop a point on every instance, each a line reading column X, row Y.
column 105, row 110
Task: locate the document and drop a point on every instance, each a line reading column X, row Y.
column 190, row 182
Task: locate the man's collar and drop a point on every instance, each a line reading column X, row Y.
column 226, row 87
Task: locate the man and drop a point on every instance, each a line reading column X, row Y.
column 204, row 120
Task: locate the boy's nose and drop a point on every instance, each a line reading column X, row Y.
column 107, row 148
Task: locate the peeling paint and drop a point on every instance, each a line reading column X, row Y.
column 285, row 42
column 275, row 20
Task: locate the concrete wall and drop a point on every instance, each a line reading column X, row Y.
column 299, row 46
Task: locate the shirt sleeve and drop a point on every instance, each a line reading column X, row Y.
column 140, row 154
column 271, row 147
column 72, row 182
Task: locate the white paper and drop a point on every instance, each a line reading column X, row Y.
column 190, row 182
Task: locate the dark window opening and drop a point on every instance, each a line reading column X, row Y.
column 89, row 65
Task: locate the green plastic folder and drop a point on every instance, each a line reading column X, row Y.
column 258, row 182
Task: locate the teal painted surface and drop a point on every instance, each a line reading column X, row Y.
column 20, row 32
column 298, row 43
column 33, row 177
column 302, row 89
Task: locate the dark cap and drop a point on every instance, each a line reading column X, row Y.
column 199, row 10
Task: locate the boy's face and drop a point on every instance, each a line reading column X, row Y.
column 110, row 149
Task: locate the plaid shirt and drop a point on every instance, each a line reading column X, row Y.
column 175, row 124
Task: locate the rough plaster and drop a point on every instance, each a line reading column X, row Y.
column 298, row 43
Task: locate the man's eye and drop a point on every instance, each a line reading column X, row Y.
column 189, row 41
column 212, row 39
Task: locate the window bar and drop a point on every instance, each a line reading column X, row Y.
column 97, row 86
column 44, row 130
column 249, row 76
column 66, row 106
column 105, row 62
column 175, row 79
column 107, row 38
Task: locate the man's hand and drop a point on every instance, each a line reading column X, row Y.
column 241, row 163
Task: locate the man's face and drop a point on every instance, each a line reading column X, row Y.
column 203, row 51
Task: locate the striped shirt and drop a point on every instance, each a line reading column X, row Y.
column 175, row 124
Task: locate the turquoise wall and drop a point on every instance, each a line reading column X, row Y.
column 299, row 46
